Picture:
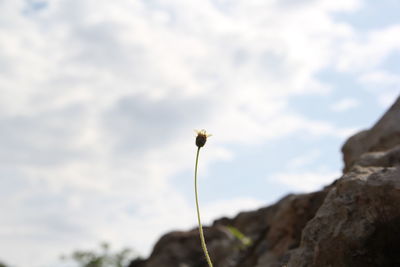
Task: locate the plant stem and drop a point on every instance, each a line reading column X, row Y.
column 203, row 242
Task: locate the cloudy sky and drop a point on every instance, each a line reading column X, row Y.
column 99, row 99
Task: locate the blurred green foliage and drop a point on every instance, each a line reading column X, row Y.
column 102, row 258
column 245, row 241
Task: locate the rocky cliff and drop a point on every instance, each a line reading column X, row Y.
column 355, row 221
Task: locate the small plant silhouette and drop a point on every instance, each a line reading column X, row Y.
column 102, row 258
column 201, row 140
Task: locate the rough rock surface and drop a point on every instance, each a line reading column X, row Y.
column 384, row 135
column 353, row 222
column 358, row 223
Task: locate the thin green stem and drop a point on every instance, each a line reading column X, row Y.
column 203, row 241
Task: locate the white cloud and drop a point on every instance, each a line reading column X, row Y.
column 228, row 208
column 305, row 181
column 305, row 173
column 98, row 101
column 385, row 85
column 387, row 99
column 367, row 51
column 345, row 105
column 380, row 78
column 366, row 54
column 305, row 159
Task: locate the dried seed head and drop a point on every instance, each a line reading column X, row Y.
column 201, row 138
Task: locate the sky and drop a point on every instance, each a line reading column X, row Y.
column 99, row 101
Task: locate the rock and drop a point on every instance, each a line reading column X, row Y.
column 358, row 223
column 384, row 135
column 273, row 230
column 353, row 222
column 387, row 158
column 182, row 249
column 283, row 230
column 136, row 263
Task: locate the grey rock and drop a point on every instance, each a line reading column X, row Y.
column 358, row 223
column 387, row 158
column 182, row 249
column 353, row 222
column 384, row 135
column 274, row 230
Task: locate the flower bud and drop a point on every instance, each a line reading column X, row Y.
column 201, row 138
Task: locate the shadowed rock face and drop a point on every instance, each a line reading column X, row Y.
column 351, row 228
column 274, row 230
column 384, row 135
column 355, row 221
